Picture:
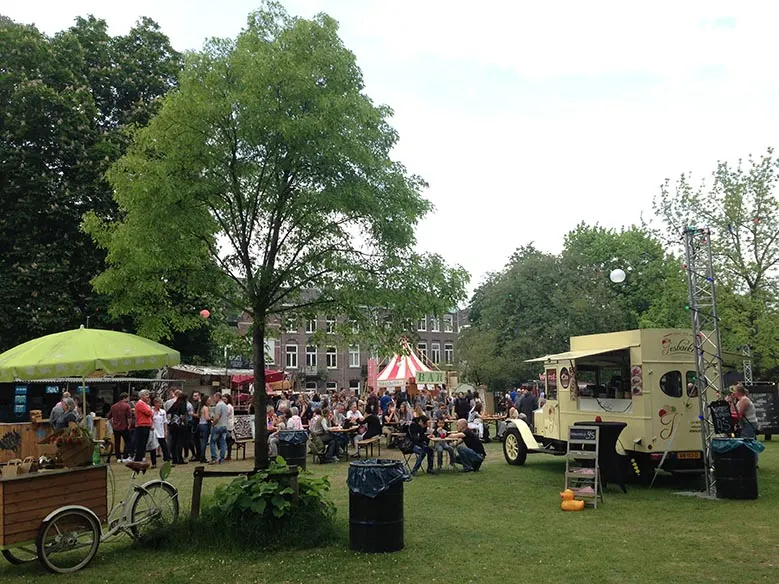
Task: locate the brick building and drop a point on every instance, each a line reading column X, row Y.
column 322, row 367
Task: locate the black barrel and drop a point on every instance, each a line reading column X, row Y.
column 292, row 447
column 735, row 469
column 376, row 505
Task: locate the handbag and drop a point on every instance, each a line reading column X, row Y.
column 11, row 469
column 406, row 446
column 152, row 443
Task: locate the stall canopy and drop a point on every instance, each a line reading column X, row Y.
column 573, row 355
column 270, row 377
column 400, row 370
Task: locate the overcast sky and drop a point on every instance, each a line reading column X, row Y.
column 527, row 117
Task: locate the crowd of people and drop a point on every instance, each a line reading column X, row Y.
column 181, row 429
column 421, row 419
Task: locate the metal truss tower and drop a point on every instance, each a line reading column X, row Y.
column 705, row 334
column 746, row 351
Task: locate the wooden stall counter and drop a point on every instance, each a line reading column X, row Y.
column 27, row 499
column 21, row 440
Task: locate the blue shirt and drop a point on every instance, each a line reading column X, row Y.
column 513, row 396
column 385, row 402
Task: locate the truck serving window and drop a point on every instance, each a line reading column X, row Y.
column 551, row 384
column 671, row 383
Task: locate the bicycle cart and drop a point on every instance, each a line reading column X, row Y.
column 34, row 523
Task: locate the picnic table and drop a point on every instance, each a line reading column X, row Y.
column 493, row 418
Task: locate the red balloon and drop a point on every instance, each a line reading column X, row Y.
column 204, row 313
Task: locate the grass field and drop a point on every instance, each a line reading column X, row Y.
column 502, row 524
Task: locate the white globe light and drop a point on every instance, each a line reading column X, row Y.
column 617, row 276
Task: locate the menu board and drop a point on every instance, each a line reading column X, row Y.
column 720, row 417
column 766, row 400
column 20, row 400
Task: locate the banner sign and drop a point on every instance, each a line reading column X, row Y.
column 430, row 377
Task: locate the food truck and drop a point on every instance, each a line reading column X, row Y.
column 644, row 378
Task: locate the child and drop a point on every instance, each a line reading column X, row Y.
column 440, row 432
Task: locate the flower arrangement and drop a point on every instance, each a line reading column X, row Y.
column 73, row 434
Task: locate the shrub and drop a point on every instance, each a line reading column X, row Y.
column 260, row 511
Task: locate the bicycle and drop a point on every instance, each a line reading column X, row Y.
column 69, row 537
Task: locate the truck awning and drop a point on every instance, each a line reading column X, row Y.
column 572, row 355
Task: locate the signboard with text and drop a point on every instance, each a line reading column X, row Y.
column 430, row 377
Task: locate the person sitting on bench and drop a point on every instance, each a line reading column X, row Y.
column 373, row 428
column 416, row 432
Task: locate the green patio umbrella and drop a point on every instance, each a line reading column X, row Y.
column 77, row 353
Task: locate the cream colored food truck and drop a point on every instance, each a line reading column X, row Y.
column 645, row 378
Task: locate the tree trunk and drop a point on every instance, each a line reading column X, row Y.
column 260, row 396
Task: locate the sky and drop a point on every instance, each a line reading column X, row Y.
column 527, row 118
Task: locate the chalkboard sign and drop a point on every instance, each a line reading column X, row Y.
column 766, row 400
column 581, row 433
column 720, row 417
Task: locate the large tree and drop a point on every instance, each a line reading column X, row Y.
column 739, row 204
column 269, row 166
column 65, row 103
column 539, row 300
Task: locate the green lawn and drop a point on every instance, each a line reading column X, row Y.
column 502, row 524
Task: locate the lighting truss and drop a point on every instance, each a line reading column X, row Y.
column 706, row 337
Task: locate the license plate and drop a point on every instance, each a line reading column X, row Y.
column 688, row 455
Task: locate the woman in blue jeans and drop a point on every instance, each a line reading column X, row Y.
column 205, row 425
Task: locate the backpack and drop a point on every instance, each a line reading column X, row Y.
column 406, row 446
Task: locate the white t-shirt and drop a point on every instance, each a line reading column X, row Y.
column 350, row 415
column 159, row 419
column 230, row 418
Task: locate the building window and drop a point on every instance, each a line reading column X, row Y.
column 290, row 324
column 448, row 323
column 311, row 326
column 435, row 352
column 330, row 325
column 354, row 356
column 435, row 325
column 332, row 386
column 292, row 356
column 422, row 324
column 332, row 358
column 355, row 327
column 448, row 353
column 311, row 385
column 422, row 350
column 310, row 356
column 354, row 385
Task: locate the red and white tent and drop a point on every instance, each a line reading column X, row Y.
column 400, row 370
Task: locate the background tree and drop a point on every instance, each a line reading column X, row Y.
column 539, row 300
column 740, row 207
column 65, row 103
column 269, row 166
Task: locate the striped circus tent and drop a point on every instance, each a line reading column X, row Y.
column 400, row 370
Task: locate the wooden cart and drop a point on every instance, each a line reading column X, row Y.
column 26, row 500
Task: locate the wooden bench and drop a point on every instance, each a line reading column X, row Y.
column 370, row 442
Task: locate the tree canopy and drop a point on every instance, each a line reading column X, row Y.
column 267, row 178
column 65, row 104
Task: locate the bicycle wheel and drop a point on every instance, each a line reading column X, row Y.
column 68, row 541
column 21, row 555
column 155, row 507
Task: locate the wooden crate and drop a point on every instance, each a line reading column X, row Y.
column 26, row 500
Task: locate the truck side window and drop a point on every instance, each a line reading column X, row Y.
column 551, row 383
column 671, row 383
column 692, row 386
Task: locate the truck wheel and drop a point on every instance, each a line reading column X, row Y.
column 514, row 449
